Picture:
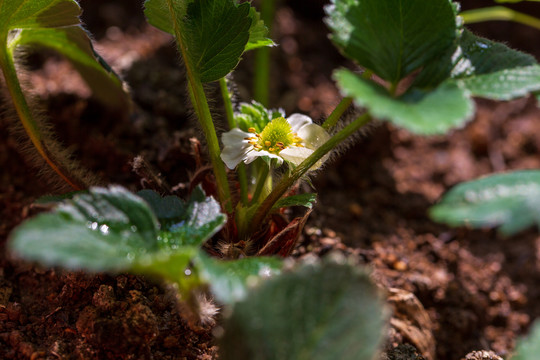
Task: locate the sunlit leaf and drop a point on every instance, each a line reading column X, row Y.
column 24, row 14
column 434, row 112
column 73, row 42
column 511, row 201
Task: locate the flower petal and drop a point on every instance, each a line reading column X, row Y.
column 234, row 137
column 313, row 136
column 297, row 121
column 295, row 154
column 235, row 147
column 251, row 156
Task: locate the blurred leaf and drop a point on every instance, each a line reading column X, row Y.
column 529, row 348
column 73, row 43
column 168, row 209
column 229, row 280
column 317, row 312
column 392, row 38
column 510, row 200
column 24, row 14
column 435, row 112
column 306, row 200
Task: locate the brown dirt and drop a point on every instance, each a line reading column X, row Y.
column 453, row 291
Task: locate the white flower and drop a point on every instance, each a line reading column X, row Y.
column 292, row 139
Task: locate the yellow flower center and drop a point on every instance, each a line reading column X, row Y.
column 276, row 136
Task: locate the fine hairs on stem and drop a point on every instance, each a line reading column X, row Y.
column 60, row 155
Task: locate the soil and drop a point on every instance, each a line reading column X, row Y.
column 456, row 293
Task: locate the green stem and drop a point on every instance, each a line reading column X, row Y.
column 261, row 181
column 227, row 102
column 340, row 109
column 242, row 179
column 262, row 58
column 198, row 97
column 200, row 103
column 304, row 167
column 27, row 119
column 241, row 172
column 332, row 120
column 499, row 13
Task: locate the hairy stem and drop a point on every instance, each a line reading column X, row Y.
column 200, row 103
column 332, row 120
column 227, row 102
column 285, row 183
column 26, row 117
column 241, row 172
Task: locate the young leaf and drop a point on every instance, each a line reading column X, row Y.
column 317, row 312
column 415, row 111
column 510, row 200
column 529, row 348
column 392, row 37
column 213, row 33
column 306, row 200
column 229, row 280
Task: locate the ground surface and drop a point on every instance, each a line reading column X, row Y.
column 453, row 290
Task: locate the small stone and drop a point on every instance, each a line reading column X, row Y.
column 356, row 210
column 104, row 298
column 400, row 265
column 482, row 355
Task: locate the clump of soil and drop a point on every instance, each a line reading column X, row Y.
column 453, row 291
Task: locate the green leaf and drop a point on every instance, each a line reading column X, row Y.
column 158, row 15
column 306, row 200
column 113, row 229
column 317, row 312
column 392, row 38
column 217, row 35
column 104, row 230
column 214, row 33
column 416, row 111
column 73, row 42
column 529, row 348
column 185, row 224
column 168, row 209
column 24, row 14
column 488, row 69
column 505, row 84
column 258, row 32
column 229, row 280
column 510, row 200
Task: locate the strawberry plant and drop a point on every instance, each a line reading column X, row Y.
column 416, row 66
